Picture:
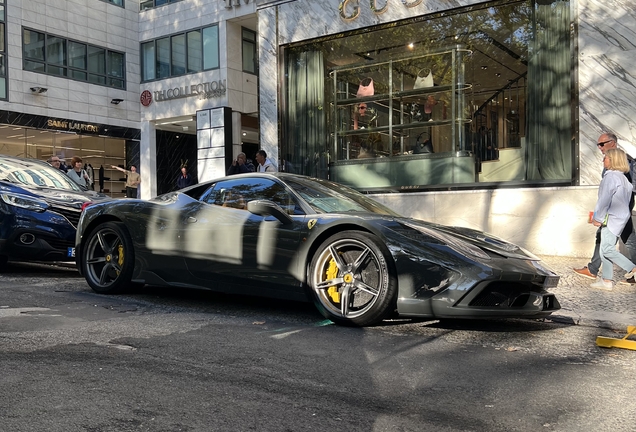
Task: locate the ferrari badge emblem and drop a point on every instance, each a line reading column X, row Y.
column 311, row 223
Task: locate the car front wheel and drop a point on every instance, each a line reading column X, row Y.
column 351, row 281
column 108, row 258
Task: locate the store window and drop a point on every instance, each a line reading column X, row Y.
column 149, row 4
column 97, row 153
column 180, row 54
column 480, row 95
column 54, row 55
column 250, row 58
column 3, row 53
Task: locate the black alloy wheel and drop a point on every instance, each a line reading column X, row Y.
column 108, row 258
column 351, row 281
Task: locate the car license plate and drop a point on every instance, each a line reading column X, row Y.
column 70, row 252
column 551, row 281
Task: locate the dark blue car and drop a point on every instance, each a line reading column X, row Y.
column 39, row 210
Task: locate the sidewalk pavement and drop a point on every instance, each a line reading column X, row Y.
column 587, row 306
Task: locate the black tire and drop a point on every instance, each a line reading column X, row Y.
column 3, row 262
column 359, row 286
column 108, row 259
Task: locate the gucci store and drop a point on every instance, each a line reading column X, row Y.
column 466, row 116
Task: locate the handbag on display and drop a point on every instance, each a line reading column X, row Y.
column 425, row 146
column 365, row 88
column 424, row 79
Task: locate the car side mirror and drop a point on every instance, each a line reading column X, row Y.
column 268, row 208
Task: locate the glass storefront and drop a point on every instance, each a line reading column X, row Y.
column 474, row 96
column 96, row 151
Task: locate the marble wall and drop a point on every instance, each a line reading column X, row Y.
column 606, row 79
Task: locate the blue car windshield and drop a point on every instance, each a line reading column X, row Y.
column 36, row 174
column 328, row 197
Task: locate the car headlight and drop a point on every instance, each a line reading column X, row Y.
column 458, row 245
column 25, row 202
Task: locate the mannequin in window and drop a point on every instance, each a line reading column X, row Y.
column 364, row 116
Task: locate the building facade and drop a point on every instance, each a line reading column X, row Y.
column 520, row 93
column 482, row 114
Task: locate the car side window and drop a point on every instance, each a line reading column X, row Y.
column 236, row 193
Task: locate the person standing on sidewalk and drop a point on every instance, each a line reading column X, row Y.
column 184, row 180
column 264, row 163
column 132, row 180
column 605, row 142
column 240, row 165
column 611, row 214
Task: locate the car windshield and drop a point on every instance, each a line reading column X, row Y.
column 328, row 197
column 35, row 173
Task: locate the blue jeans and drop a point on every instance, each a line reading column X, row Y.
column 628, row 236
column 610, row 256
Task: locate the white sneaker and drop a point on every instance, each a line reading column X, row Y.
column 602, row 284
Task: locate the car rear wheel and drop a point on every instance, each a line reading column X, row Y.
column 3, row 262
column 108, row 258
column 352, row 282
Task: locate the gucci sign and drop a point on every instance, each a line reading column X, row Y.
column 350, row 9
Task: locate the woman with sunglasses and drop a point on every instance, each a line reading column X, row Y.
column 611, row 214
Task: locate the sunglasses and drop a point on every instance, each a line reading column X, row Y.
column 601, row 144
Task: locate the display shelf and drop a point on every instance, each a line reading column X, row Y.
column 379, row 107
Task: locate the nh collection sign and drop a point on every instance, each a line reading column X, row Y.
column 350, row 9
column 206, row 90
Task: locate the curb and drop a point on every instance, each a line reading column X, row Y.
column 604, row 320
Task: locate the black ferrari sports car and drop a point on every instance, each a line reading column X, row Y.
column 293, row 237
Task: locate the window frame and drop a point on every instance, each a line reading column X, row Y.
column 151, row 4
column 72, row 72
column 144, row 47
column 122, row 5
column 246, row 41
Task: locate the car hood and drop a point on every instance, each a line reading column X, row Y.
column 67, row 198
column 480, row 239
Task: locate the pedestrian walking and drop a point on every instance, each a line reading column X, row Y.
column 608, row 141
column 611, row 213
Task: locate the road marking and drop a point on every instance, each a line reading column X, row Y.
column 284, row 335
column 18, row 311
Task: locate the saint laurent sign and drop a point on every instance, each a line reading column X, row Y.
column 72, row 126
column 206, row 90
column 350, row 9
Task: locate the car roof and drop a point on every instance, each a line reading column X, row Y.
column 21, row 160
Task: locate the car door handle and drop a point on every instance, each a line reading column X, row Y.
column 191, row 219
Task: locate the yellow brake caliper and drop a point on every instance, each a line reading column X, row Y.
column 331, row 273
column 120, row 259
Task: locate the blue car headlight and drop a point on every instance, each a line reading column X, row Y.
column 457, row 244
column 24, row 201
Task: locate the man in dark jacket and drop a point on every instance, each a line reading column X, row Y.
column 184, row 180
column 240, row 165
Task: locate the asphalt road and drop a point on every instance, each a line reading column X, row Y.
column 185, row 360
